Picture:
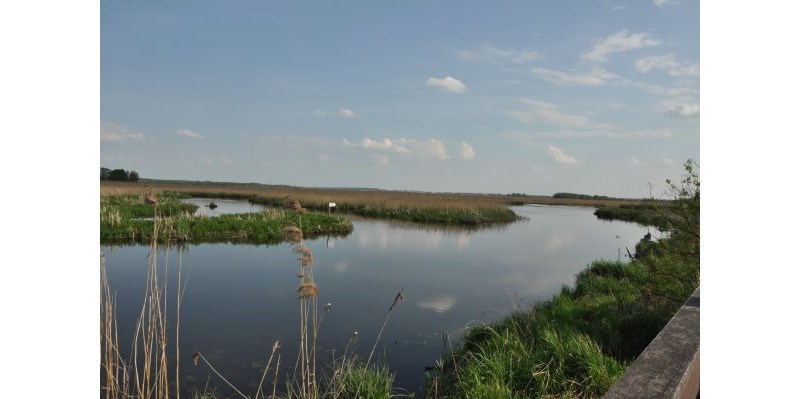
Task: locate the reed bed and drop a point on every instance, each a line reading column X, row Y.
column 442, row 208
column 147, row 370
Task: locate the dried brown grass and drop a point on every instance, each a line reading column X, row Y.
column 320, row 197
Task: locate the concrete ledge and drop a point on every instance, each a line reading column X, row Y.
column 670, row 366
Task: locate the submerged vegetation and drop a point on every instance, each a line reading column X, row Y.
column 578, row 343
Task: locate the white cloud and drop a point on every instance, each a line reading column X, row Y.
column 617, row 43
column 635, row 161
column 595, row 77
column 684, row 111
column 667, row 162
column 616, row 106
column 667, row 63
column 521, row 136
column 188, row 133
column 346, row 113
column 225, row 161
column 410, row 148
column 447, row 83
column 118, row 133
column 467, row 152
column 489, row 53
column 548, row 113
column 662, row 3
column 560, row 156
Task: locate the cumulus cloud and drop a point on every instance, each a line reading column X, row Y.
column 684, row 111
column 467, row 152
column 635, row 161
column 431, row 149
column 488, row 53
column 188, row 133
column 448, row 83
column 347, row 113
column 667, row 63
column 595, row 77
column 560, row 156
column 118, row 133
column 617, row 43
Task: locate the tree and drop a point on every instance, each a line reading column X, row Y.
column 104, row 172
column 133, row 176
column 118, row 175
column 685, row 220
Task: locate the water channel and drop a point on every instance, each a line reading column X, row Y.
column 239, row 299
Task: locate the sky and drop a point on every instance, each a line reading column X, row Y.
column 53, row 99
column 597, row 97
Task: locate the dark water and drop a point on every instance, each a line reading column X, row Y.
column 240, row 299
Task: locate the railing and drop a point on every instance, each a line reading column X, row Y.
column 670, row 366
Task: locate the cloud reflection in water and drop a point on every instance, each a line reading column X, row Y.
column 440, row 304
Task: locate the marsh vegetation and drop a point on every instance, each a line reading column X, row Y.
column 573, row 345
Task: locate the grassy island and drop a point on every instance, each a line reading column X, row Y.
column 128, row 218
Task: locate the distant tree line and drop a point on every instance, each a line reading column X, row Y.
column 118, row 175
column 580, row 196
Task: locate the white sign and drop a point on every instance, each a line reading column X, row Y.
column 331, row 204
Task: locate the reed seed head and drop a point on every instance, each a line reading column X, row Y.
column 306, row 257
column 292, row 234
column 307, row 289
column 397, row 298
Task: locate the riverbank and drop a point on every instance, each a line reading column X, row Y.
column 581, row 341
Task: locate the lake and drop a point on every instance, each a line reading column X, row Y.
column 239, row 299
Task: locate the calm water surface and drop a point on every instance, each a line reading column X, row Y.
column 239, row 299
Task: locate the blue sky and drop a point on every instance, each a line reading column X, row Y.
column 596, row 97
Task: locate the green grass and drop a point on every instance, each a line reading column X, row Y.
column 578, row 343
column 134, row 206
column 648, row 215
column 353, row 379
column 128, row 219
